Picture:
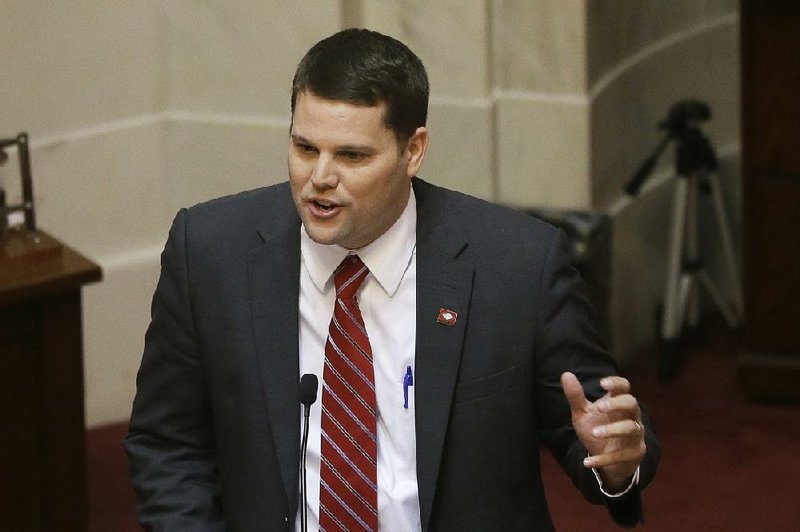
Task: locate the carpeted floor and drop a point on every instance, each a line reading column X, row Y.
column 727, row 465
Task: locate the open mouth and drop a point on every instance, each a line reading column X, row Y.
column 323, row 206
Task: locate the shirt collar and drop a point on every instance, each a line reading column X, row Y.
column 387, row 257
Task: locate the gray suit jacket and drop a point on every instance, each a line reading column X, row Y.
column 214, row 435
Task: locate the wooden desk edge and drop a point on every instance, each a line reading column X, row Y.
column 53, row 274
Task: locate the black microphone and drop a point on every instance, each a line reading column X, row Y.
column 308, row 396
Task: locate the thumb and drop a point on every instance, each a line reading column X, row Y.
column 573, row 391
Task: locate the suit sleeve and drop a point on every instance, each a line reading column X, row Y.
column 170, row 444
column 568, row 341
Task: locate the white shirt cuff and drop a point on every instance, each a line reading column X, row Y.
column 634, row 482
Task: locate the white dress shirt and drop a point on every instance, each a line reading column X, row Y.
column 388, row 303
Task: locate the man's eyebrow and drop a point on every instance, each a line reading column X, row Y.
column 355, row 147
column 345, row 147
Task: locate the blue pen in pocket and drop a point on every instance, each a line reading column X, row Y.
column 408, row 380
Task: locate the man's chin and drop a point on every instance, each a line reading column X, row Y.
column 326, row 237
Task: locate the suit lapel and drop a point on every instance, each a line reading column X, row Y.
column 274, row 276
column 443, row 282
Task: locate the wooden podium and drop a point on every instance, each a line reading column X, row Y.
column 43, row 442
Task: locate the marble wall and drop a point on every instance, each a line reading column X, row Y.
column 136, row 109
column 539, row 57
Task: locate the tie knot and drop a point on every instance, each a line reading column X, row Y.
column 349, row 276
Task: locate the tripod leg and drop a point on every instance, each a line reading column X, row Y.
column 727, row 247
column 672, row 317
column 691, row 302
column 670, row 359
column 687, row 292
column 729, row 312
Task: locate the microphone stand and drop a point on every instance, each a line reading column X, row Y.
column 303, row 489
column 308, row 396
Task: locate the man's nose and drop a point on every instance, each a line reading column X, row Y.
column 325, row 173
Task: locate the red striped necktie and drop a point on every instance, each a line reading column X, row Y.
column 348, row 497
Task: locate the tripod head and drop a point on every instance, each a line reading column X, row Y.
column 685, row 114
column 693, row 151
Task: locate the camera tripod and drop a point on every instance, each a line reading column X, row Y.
column 696, row 172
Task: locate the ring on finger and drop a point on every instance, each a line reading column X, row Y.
column 639, row 427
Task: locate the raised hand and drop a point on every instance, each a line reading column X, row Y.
column 610, row 428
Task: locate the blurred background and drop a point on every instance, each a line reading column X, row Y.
column 138, row 108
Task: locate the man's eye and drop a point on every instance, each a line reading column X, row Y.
column 353, row 155
column 306, row 148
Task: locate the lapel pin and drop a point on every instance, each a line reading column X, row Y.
column 447, row 317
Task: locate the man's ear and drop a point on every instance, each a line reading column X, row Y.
column 415, row 150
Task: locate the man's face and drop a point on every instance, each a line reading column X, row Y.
column 350, row 178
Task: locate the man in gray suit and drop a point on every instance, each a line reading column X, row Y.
column 463, row 343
